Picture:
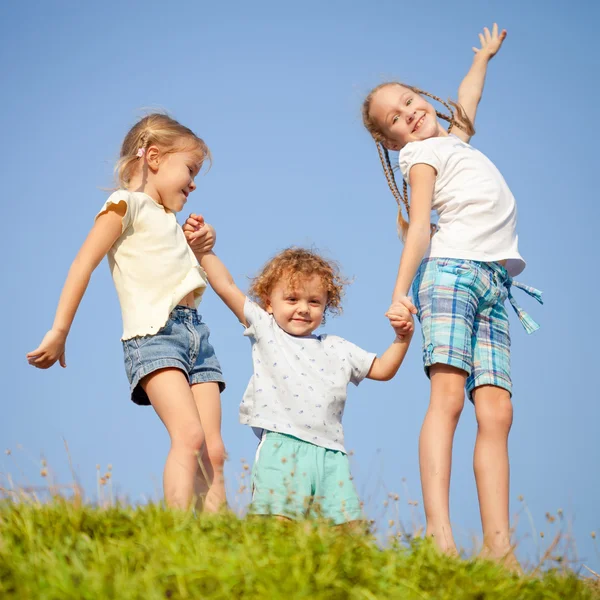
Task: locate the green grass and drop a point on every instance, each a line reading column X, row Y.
column 61, row 550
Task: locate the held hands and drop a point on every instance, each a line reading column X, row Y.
column 49, row 351
column 400, row 314
column 200, row 235
column 490, row 42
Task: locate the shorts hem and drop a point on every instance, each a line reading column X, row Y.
column 300, row 515
column 488, row 379
column 443, row 359
column 156, row 365
column 208, row 378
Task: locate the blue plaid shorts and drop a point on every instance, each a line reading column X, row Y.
column 464, row 322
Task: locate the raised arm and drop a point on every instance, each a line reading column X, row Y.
column 103, row 235
column 471, row 87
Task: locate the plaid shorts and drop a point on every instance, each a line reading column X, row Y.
column 464, row 322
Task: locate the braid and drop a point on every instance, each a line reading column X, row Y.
column 462, row 122
column 388, row 171
column 143, row 140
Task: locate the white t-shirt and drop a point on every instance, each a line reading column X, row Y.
column 151, row 263
column 299, row 384
column 477, row 211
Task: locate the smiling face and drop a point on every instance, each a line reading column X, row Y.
column 298, row 305
column 402, row 116
column 173, row 179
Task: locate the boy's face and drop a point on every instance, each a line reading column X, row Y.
column 298, row 307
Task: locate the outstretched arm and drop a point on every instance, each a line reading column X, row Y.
column 220, row 279
column 471, row 87
column 222, row 282
column 104, row 234
column 384, row 367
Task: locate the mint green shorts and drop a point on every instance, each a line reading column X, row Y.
column 296, row 479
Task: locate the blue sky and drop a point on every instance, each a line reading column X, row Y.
column 275, row 89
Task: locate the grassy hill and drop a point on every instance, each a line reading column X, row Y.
column 63, row 550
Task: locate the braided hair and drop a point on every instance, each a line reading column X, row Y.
column 462, row 122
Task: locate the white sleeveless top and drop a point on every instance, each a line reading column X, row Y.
column 477, row 211
column 151, row 264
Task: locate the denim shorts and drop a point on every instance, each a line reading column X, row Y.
column 296, row 479
column 460, row 305
column 182, row 343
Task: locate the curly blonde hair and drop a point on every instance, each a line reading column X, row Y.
column 294, row 264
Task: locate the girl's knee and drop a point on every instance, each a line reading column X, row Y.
column 447, row 390
column 450, row 405
column 215, row 450
column 493, row 408
column 192, row 439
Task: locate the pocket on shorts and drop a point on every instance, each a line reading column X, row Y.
column 465, row 270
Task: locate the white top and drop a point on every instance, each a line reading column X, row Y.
column 299, row 384
column 151, row 264
column 477, row 211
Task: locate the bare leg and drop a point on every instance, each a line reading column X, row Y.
column 435, row 450
column 210, row 493
column 172, row 399
column 493, row 409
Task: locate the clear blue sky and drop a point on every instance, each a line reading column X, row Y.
column 275, row 89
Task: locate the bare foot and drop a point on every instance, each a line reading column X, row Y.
column 505, row 556
column 443, row 540
column 215, row 499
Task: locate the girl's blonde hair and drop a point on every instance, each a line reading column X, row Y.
column 294, row 264
column 462, row 122
column 159, row 130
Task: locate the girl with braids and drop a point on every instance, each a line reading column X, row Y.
column 168, row 358
column 461, row 273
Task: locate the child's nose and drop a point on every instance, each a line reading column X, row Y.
column 192, row 186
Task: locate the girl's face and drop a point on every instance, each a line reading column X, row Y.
column 171, row 177
column 298, row 309
column 403, row 116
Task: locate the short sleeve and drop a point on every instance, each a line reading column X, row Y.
column 258, row 320
column 129, row 200
column 359, row 360
column 417, row 153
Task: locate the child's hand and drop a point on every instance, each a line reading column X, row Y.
column 49, row 351
column 200, row 235
column 401, row 320
column 490, row 42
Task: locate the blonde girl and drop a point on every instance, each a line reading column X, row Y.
column 461, row 273
column 168, row 357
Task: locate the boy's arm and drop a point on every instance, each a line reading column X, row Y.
column 201, row 238
column 471, row 87
column 384, row 367
column 222, row 283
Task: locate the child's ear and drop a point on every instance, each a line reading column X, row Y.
column 153, row 157
column 268, row 306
